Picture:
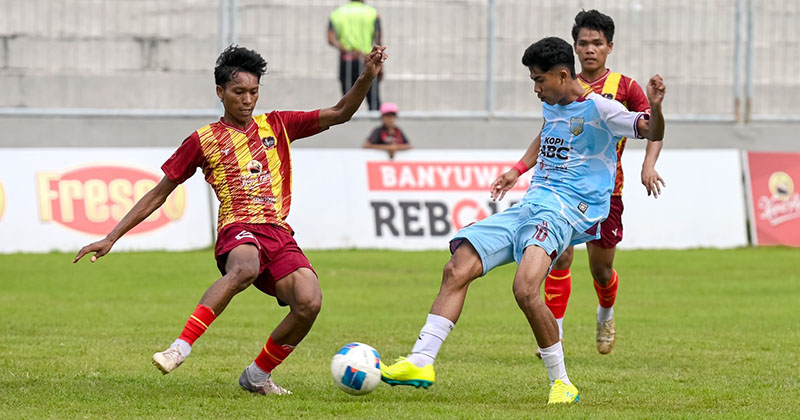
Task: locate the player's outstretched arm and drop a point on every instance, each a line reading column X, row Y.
column 506, row 181
column 653, row 129
column 140, row 211
column 650, row 177
column 348, row 105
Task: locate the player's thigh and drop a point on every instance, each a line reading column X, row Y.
column 464, row 265
column 531, row 272
column 243, row 262
column 300, row 289
column 492, row 238
column 565, row 260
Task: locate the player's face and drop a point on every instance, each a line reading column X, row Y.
column 239, row 97
column 550, row 86
column 592, row 48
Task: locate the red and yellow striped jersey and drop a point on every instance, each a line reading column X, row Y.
column 625, row 90
column 250, row 170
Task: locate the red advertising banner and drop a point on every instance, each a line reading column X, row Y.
column 438, row 176
column 774, row 198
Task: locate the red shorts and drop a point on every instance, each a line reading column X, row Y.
column 611, row 228
column 278, row 252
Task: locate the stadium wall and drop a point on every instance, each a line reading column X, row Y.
column 61, row 199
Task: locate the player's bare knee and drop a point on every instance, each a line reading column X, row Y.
column 307, row 307
column 525, row 294
column 603, row 274
column 243, row 275
column 456, row 276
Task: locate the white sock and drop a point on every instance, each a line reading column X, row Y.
column 183, row 346
column 553, row 358
column 604, row 314
column 560, row 322
column 257, row 375
column 431, row 337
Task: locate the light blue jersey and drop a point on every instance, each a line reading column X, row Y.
column 575, row 172
column 571, row 188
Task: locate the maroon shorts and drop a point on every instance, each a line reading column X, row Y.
column 611, row 228
column 278, row 252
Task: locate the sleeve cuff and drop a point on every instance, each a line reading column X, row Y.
column 644, row 115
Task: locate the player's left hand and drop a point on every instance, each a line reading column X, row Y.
column 373, row 62
column 503, row 183
column 651, row 179
column 656, row 90
column 99, row 248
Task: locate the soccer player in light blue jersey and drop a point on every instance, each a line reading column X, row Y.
column 565, row 204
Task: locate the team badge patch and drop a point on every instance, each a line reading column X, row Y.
column 582, row 207
column 576, row 125
column 254, row 167
column 268, row 142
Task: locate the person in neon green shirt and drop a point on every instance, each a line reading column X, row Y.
column 353, row 29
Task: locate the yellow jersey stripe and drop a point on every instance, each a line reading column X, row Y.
column 611, row 85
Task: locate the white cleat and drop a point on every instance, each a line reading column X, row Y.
column 266, row 387
column 606, row 336
column 166, row 361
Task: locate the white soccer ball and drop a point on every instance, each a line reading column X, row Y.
column 356, row 368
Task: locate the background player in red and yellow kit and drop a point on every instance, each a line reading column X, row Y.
column 593, row 34
column 246, row 161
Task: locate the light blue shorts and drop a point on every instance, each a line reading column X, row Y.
column 503, row 237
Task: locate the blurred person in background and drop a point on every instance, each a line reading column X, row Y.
column 353, row 29
column 388, row 136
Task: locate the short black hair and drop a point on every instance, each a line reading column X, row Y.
column 593, row 20
column 548, row 53
column 235, row 59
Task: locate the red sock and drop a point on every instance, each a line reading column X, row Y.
column 272, row 355
column 197, row 324
column 557, row 287
column 607, row 294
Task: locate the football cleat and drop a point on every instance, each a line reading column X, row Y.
column 404, row 372
column 606, row 336
column 266, row 387
column 561, row 393
column 166, row 361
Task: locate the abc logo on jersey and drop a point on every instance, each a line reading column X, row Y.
column 553, row 147
column 93, row 199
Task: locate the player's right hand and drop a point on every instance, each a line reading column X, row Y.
column 373, row 62
column 656, row 89
column 99, row 248
column 503, row 183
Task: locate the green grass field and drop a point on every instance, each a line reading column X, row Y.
column 701, row 334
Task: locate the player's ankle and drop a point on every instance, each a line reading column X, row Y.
column 419, row 359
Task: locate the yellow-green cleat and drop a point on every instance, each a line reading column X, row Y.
column 403, row 372
column 561, row 393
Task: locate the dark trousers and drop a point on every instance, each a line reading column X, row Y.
column 349, row 70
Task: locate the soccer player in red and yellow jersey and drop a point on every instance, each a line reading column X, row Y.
column 593, row 34
column 245, row 159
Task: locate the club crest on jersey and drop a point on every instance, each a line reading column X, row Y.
column 576, row 125
column 582, row 207
column 268, row 142
column 254, row 167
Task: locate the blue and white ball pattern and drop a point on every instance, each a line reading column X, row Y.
column 356, row 368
